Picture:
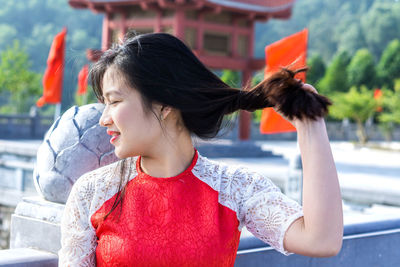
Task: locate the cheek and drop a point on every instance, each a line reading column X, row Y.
column 123, row 119
column 141, row 126
column 150, row 127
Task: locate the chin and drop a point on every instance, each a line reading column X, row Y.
column 122, row 154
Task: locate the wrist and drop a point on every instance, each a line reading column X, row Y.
column 307, row 124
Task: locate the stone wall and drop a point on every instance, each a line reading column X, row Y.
column 337, row 131
column 5, row 222
column 24, row 126
column 373, row 243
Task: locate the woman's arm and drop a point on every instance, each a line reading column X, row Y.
column 319, row 233
column 78, row 237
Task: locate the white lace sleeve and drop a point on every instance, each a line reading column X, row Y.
column 78, row 237
column 265, row 211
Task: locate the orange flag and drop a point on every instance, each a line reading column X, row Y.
column 378, row 93
column 378, row 96
column 289, row 51
column 82, row 80
column 53, row 76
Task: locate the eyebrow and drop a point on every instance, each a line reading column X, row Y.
column 111, row 92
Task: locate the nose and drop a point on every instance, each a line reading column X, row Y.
column 105, row 119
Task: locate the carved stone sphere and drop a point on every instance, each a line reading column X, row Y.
column 74, row 144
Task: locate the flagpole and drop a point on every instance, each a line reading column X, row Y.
column 85, row 97
column 57, row 111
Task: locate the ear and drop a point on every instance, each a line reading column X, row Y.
column 165, row 111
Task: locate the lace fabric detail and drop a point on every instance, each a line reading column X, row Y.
column 258, row 203
column 90, row 191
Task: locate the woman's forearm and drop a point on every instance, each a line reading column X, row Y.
column 322, row 204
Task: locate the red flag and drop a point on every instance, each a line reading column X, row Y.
column 290, row 52
column 378, row 95
column 53, row 76
column 82, row 80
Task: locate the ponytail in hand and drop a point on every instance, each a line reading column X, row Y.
column 285, row 93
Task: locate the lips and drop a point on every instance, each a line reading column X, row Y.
column 114, row 135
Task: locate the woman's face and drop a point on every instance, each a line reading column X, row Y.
column 133, row 129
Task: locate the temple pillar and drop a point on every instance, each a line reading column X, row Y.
column 157, row 24
column 200, row 33
column 234, row 39
column 124, row 27
column 106, row 40
column 179, row 24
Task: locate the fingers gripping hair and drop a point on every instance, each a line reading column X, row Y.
column 285, row 93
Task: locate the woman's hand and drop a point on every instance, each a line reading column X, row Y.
column 295, row 121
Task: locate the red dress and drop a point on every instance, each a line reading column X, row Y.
column 193, row 219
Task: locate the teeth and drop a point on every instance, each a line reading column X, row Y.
column 112, row 133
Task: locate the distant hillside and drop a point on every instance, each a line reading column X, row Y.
column 336, row 25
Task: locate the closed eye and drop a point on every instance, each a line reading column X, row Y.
column 112, row 102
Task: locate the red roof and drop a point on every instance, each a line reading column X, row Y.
column 273, row 8
column 255, row 5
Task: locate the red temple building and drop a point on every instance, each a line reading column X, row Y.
column 220, row 32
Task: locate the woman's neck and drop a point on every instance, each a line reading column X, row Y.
column 171, row 156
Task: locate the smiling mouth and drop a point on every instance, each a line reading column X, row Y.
column 113, row 139
column 114, row 135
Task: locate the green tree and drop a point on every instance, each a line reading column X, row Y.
column 335, row 78
column 7, row 33
column 391, row 111
column 35, row 23
column 317, row 69
column 333, row 26
column 17, row 80
column 350, row 35
column 388, row 68
column 231, row 78
column 257, row 78
column 380, row 25
column 361, row 70
column 356, row 104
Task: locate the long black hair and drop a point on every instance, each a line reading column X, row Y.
column 165, row 71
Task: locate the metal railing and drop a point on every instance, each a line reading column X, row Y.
column 24, row 126
column 364, row 244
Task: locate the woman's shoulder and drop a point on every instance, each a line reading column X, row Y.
column 93, row 188
column 232, row 173
column 107, row 177
column 219, row 168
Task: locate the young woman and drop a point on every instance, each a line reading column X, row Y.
column 163, row 204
